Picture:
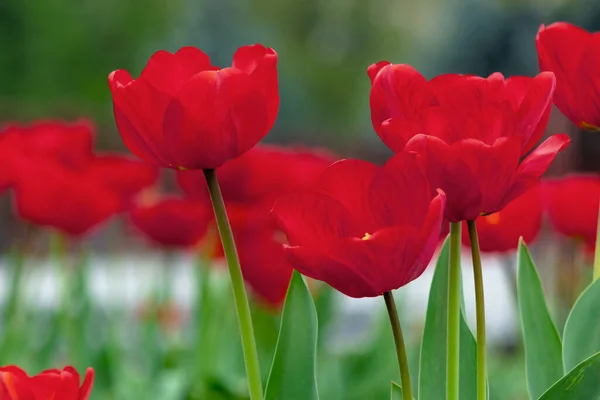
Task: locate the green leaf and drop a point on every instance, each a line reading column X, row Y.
column 581, row 383
column 543, row 349
column 292, row 375
column 396, row 393
column 582, row 330
column 432, row 369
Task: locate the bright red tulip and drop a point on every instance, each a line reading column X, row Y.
column 49, row 195
column 469, row 133
column 572, row 204
column 500, row 231
column 53, row 384
column 361, row 229
column 184, row 113
column 250, row 185
column 173, row 222
column 571, row 53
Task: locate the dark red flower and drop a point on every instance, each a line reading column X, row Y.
column 49, row 195
column 54, row 384
column 361, row 229
column 571, row 53
column 172, row 222
column 572, row 203
column 500, row 231
column 469, row 133
column 183, row 112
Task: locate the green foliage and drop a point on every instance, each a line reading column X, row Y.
column 580, row 383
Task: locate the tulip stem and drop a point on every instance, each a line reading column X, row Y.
column 400, row 347
column 480, row 310
column 597, row 251
column 454, row 287
column 239, row 291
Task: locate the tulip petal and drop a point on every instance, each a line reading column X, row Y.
column 86, row 387
column 374, row 69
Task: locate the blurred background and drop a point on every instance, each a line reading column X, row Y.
column 54, row 63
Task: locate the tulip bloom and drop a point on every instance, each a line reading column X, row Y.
column 250, row 185
column 570, row 53
column 15, row 384
column 572, row 205
column 184, row 113
column 362, row 229
column 469, row 133
column 172, row 222
column 500, row 231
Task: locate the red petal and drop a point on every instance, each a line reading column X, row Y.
column 374, row 69
column 535, row 164
column 216, row 116
column 398, row 90
column 587, row 86
column 86, row 387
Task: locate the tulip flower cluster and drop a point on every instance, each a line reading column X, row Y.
column 468, row 152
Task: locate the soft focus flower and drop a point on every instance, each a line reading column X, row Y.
column 184, row 113
column 52, row 196
column 469, row 133
column 500, row 231
column 572, row 54
column 172, row 222
column 53, row 384
column 572, row 204
column 250, row 185
column 361, row 229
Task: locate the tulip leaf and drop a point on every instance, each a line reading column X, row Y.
column 432, row 369
column 396, row 393
column 580, row 383
column 293, row 372
column 543, row 349
column 582, row 331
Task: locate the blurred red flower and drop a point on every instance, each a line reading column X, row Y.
column 571, row 53
column 172, row 222
column 469, row 133
column 572, row 203
column 183, row 112
column 55, row 384
column 500, row 231
column 362, row 229
column 250, row 185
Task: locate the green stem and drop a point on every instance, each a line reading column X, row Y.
column 480, row 310
column 400, row 347
column 239, row 291
column 597, row 252
column 454, row 285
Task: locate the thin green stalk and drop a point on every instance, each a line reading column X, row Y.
column 480, row 310
column 400, row 347
column 239, row 291
column 454, row 285
column 597, row 251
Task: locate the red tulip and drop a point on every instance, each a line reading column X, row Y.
column 572, row 203
column 184, row 113
column 361, row 229
column 173, row 222
column 250, row 185
column 469, row 133
column 54, row 384
column 500, row 231
column 50, row 195
column 572, row 54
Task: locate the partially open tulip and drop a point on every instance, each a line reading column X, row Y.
column 572, row 203
column 184, row 113
column 361, row 229
column 470, row 134
column 53, row 384
column 500, row 231
column 172, row 222
column 571, row 53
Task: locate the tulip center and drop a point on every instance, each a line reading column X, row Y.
column 589, row 127
column 493, row 219
column 367, row 236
